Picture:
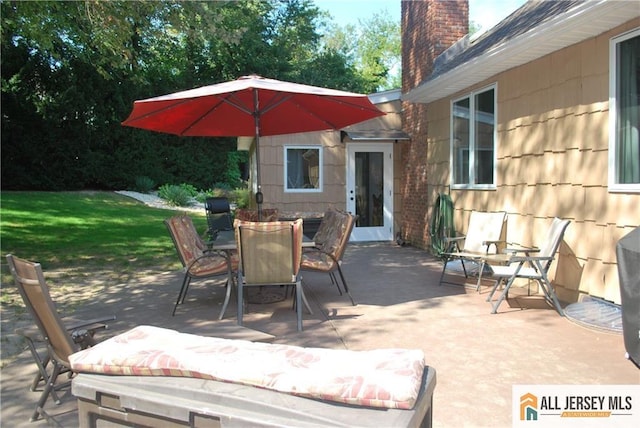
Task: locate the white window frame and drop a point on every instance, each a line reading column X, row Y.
column 320, row 169
column 472, row 149
column 614, row 186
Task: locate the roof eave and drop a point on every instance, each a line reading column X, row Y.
column 586, row 20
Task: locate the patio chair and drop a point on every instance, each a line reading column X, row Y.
column 197, row 260
column 245, row 214
column 218, row 213
column 482, row 243
column 331, row 241
column 531, row 267
column 61, row 340
column 270, row 254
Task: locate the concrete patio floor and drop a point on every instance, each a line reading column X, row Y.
column 477, row 356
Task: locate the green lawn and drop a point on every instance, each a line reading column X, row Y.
column 92, row 230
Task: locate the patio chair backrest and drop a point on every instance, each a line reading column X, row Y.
column 334, row 233
column 218, row 211
column 188, row 243
column 33, row 288
column 553, row 239
column 483, row 227
column 270, row 252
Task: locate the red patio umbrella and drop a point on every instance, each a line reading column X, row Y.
column 251, row 106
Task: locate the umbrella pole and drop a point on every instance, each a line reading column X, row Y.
column 256, row 115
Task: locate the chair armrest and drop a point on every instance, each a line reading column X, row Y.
column 453, row 239
column 521, row 249
column 92, row 324
column 488, row 244
column 522, row 259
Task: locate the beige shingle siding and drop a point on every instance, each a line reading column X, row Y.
column 552, row 160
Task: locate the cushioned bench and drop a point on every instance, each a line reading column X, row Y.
column 165, row 377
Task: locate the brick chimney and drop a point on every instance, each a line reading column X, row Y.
column 428, row 28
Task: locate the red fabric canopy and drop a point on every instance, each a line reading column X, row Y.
column 251, row 106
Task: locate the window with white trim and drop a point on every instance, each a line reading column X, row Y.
column 303, row 168
column 624, row 112
column 473, row 136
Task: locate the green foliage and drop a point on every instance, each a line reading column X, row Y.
column 176, row 195
column 372, row 49
column 144, row 184
column 70, row 72
column 241, row 197
column 190, row 189
column 87, row 230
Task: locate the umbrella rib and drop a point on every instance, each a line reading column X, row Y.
column 195, row 122
column 160, row 110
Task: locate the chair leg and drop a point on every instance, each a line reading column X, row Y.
column 299, row 299
column 227, row 297
column 335, row 281
column 482, row 264
column 493, row 289
column 550, row 294
column 344, row 284
column 304, row 299
column 186, row 288
column 50, row 385
column 444, row 268
column 182, row 293
column 240, row 299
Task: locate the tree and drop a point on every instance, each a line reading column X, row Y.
column 373, row 48
column 71, row 70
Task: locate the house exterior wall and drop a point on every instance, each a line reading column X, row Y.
column 552, row 160
column 334, row 166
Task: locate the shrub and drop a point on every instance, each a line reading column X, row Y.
column 174, row 195
column 241, row 197
column 144, row 184
column 190, row 189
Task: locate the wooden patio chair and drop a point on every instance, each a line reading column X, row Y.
column 534, row 265
column 197, row 260
column 331, row 241
column 481, row 244
column 61, row 340
column 270, row 254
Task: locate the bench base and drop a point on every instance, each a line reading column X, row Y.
column 178, row 402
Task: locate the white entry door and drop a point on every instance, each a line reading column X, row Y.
column 370, row 190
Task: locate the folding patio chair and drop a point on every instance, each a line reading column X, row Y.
column 482, row 243
column 197, row 260
column 218, row 211
column 331, row 241
column 270, row 254
column 531, row 267
column 60, row 340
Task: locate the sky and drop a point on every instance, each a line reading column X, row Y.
column 485, row 13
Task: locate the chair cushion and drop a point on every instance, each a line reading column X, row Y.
column 316, row 260
column 388, row 378
column 209, row 265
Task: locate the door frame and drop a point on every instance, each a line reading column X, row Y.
column 385, row 232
